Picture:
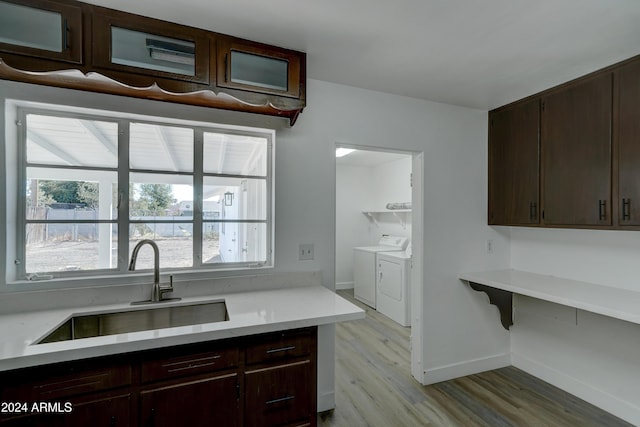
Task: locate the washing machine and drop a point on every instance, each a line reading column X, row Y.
column 393, row 285
column 365, row 264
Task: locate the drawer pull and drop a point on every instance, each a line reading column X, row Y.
column 282, row 399
column 192, row 364
column 278, row 350
column 75, row 385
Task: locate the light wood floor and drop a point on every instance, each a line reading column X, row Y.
column 374, row 388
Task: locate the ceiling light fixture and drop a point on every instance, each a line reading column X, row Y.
column 341, row 152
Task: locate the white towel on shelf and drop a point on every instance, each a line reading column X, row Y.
column 402, row 205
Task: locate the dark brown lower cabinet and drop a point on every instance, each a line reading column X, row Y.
column 202, row 402
column 277, row 395
column 111, row 411
column 259, row 380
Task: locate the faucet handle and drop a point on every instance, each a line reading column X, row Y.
column 166, row 289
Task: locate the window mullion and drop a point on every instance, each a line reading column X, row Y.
column 21, row 253
column 270, row 198
column 198, row 169
column 123, row 195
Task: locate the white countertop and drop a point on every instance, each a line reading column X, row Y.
column 619, row 303
column 249, row 313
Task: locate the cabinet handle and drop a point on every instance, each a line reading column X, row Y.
column 65, row 34
column 226, row 67
column 626, row 209
column 282, row 399
column 602, row 209
column 533, row 211
column 192, row 363
column 278, row 350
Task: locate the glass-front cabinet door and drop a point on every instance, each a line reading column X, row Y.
column 135, row 44
column 42, row 29
column 258, row 68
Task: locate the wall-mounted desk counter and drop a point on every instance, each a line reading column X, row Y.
column 618, row 303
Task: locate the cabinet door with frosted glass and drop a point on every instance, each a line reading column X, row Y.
column 41, row 29
column 259, row 68
column 142, row 46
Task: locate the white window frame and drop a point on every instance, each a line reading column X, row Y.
column 123, row 170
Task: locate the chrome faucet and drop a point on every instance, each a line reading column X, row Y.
column 157, row 292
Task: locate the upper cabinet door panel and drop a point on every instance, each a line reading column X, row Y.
column 514, row 173
column 259, row 68
column 140, row 45
column 41, row 29
column 628, row 95
column 576, row 153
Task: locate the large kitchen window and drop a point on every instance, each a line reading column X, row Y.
column 96, row 185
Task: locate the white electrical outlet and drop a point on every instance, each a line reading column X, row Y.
column 305, row 252
column 489, row 246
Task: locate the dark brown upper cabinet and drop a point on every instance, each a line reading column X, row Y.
column 576, row 153
column 146, row 58
column 259, row 68
column 41, row 29
column 148, row 47
column 514, row 167
column 627, row 95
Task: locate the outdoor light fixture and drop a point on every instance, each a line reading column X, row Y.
column 228, row 198
column 171, row 52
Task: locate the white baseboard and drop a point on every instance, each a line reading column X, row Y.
column 344, row 285
column 467, row 367
column 326, row 401
column 606, row 401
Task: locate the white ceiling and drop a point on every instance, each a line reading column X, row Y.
column 480, row 54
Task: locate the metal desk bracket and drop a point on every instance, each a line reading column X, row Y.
column 501, row 299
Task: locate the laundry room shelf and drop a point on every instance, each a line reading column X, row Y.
column 399, row 214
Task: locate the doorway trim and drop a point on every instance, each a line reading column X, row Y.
column 417, row 242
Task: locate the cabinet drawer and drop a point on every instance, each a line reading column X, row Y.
column 39, row 384
column 280, row 346
column 279, row 395
column 189, row 364
column 205, row 402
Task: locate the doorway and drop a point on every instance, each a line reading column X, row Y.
column 379, row 194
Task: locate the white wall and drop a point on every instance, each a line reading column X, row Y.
column 391, row 183
column 352, row 226
column 591, row 356
column 368, row 188
column 459, row 334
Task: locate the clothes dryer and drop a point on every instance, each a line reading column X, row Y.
column 393, row 286
column 364, row 266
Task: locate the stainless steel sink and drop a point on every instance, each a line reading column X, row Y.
column 95, row 325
